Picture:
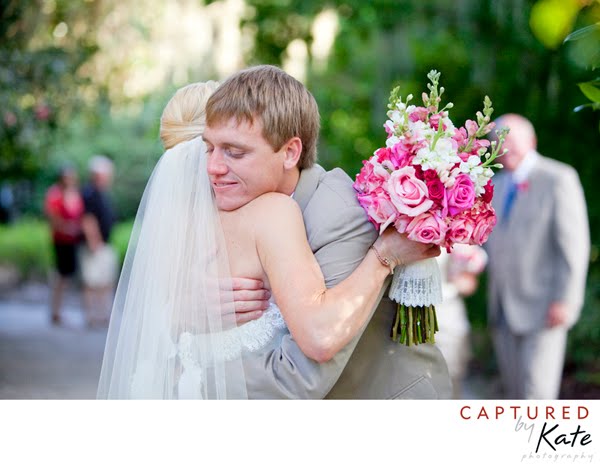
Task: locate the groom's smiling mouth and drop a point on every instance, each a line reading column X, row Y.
column 223, row 184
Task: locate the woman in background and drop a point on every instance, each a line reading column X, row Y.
column 64, row 209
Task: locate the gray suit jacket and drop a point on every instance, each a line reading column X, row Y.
column 371, row 366
column 541, row 253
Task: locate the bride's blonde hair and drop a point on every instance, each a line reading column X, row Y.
column 184, row 117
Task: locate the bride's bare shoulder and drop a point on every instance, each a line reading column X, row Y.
column 274, row 206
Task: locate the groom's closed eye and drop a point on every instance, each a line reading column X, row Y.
column 235, row 153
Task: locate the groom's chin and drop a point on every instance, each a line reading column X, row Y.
column 227, row 205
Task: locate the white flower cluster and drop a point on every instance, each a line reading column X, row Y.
column 437, row 149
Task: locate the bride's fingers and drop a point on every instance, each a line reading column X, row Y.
column 251, row 295
column 244, row 306
column 242, row 318
column 238, row 283
column 247, row 306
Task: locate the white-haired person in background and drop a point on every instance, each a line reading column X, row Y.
column 98, row 259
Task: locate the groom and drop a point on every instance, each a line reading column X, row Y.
column 268, row 108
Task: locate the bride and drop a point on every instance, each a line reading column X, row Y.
column 173, row 330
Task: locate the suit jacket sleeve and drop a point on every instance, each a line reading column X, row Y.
column 572, row 240
column 340, row 241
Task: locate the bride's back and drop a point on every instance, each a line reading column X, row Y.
column 242, row 227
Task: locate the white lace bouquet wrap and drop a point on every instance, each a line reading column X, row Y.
column 417, row 284
column 417, row 288
column 432, row 182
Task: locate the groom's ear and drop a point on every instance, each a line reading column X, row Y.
column 292, row 151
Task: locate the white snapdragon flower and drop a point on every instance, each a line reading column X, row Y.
column 450, row 128
column 445, row 149
column 390, row 142
column 480, row 176
column 439, row 159
column 448, row 177
column 472, row 162
column 420, row 131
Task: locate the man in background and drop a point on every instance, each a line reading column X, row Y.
column 538, row 260
column 98, row 259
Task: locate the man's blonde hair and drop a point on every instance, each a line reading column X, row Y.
column 281, row 104
column 184, row 117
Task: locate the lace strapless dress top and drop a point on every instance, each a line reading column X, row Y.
column 195, row 353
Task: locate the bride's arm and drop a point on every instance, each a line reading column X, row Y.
column 321, row 320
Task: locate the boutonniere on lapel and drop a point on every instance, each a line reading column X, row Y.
column 523, row 186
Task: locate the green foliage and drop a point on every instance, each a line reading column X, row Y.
column 38, row 80
column 586, row 332
column 120, row 238
column 129, row 136
column 27, row 247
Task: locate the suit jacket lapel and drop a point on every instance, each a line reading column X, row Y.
column 521, row 207
column 307, row 185
column 500, row 187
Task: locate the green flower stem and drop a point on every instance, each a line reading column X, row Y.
column 411, row 329
column 414, row 325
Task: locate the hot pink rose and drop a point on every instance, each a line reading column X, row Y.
column 461, row 196
column 484, row 224
column 429, row 175
column 408, row 193
column 382, row 154
column 400, row 154
column 461, row 229
column 489, row 192
column 380, row 210
column 427, row 228
column 437, row 193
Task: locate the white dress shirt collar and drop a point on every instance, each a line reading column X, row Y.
column 522, row 172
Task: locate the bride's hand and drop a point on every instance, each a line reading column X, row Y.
column 248, row 297
column 400, row 250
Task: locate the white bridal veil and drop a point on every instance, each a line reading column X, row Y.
column 167, row 334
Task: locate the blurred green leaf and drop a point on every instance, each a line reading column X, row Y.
column 590, row 90
column 583, row 32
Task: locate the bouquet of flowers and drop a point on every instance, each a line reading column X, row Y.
column 431, row 181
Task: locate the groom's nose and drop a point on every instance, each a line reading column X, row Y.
column 216, row 164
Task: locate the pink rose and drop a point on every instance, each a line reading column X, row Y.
column 485, row 222
column 427, row 228
column 402, row 222
column 461, row 229
column 372, row 175
column 408, row 193
column 380, row 210
column 461, row 195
